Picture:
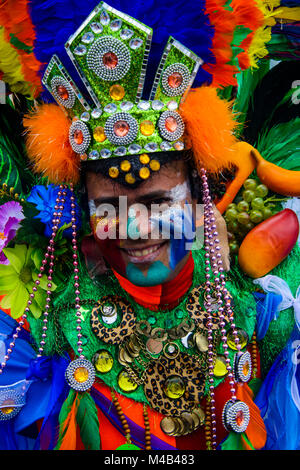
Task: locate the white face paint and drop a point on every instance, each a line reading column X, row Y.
column 180, row 192
column 92, row 207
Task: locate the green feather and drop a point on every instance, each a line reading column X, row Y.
column 63, row 415
column 232, row 442
column 281, row 145
column 87, row 420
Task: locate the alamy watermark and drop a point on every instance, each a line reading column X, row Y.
column 157, row 221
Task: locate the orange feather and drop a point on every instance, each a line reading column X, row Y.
column 256, row 431
column 68, row 441
column 210, row 128
column 48, row 146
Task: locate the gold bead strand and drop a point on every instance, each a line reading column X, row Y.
column 207, row 426
column 123, row 420
column 147, row 428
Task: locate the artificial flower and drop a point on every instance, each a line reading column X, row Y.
column 10, row 217
column 18, row 278
column 44, row 197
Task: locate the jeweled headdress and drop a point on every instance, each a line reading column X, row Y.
column 111, row 120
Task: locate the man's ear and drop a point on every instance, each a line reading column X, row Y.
column 223, row 237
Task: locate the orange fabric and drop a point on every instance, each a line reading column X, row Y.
column 111, row 438
column 166, row 295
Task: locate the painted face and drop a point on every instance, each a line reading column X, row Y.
column 145, row 234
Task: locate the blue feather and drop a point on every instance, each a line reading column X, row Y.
column 186, row 21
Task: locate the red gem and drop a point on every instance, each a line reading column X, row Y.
column 171, row 124
column 121, row 128
column 110, row 60
column 175, row 80
column 239, row 418
column 78, row 137
column 62, row 92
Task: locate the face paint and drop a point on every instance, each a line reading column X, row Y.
column 154, row 244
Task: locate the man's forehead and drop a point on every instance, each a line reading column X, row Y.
column 161, row 182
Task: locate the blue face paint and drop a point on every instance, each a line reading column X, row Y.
column 157, row 274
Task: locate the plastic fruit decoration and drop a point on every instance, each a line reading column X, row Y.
column 268, row 244
column 245, row 163
column 277, row 179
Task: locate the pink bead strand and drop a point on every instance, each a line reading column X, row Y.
column 76, row 276
column 60, row 201
column 220, row 285
column 32, row 295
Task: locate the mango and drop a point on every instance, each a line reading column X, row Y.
column 268, row 244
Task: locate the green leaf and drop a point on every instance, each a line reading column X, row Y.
column 16, row 256
column 8, row 283
column 87, row 420
column 19, row 301
column 35, row 309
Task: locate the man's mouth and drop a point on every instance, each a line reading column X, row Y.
column 144, row 255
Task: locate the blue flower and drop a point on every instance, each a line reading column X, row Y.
column 44, row 197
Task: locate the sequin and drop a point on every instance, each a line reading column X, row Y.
column 117, row 92
column 99, row 135
column 126, row 383
column 110, row 60
column 147, row 128
column 81, row 374
column 144, row 173
column 242, row 337
column 113, row 172
column 174, row 387
column 154, row 165
column 121, row 128
column 125, row 165
column 144, row 158
column 103, row 361
column 129, row 178
column 220, row 369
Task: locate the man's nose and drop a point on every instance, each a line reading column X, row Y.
column 138, row 223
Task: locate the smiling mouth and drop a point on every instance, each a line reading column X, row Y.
column 144, row 255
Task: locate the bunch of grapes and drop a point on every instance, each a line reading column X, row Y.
column 250, row 210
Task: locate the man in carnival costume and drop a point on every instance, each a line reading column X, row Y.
column 134, row 315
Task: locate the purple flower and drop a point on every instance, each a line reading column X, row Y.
column 10, row 216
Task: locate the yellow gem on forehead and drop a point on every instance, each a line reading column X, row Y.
column 98, row 134
column 154, row 165
column 144, row 173
column 103, row 362
column 117, row 92
column 113, row 172
column 147, row 128
column 129, row 178
column 126, row 383
column 125, row 165
column 144, row 158
column 81, row 374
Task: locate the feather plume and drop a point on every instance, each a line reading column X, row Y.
column 256, row 431
column 48, row 146
column 211, row 126
column 67, row 422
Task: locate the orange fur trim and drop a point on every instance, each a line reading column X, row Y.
column 48, row 146
column 210, row 128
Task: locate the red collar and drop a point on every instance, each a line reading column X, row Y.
column 164, row 296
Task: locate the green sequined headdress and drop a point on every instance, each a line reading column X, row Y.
column 110, row 52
